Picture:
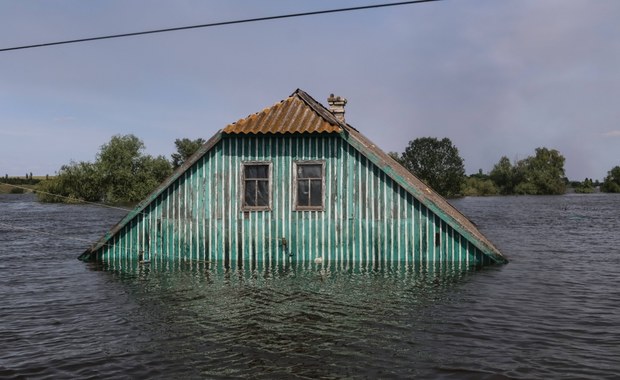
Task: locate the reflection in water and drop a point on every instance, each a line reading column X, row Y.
column 291, row 268
column 308, row 321
column 550, row 313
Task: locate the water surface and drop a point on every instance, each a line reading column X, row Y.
column 550, row 313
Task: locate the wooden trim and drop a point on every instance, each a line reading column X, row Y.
column 296, row 207
column 206, row 147
column 242, row 186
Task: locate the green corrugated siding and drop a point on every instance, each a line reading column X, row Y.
column 367, row 217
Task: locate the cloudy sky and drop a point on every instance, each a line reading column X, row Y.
column 496, row 77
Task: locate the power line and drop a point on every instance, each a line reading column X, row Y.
column 54, row 234
column 70, row 199
column 36, row 231
column 222, row 23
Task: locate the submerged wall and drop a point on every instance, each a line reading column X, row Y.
column 367, row 216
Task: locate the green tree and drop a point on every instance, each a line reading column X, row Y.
column 128, row 175
column 611, row 184
column 74, row 182
column 151, row 172
column 540, row 174
column 543, row 173
column 475, row 185
column 121, row 173
column 119, row 162
column 587, row 186
column 436, row 162
column 185, row 148
column 504, row 175
column 396, row 156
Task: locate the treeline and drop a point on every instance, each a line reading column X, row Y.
column 28, row 179
column 18, row 185
column 541, row 174
column 611, row 184
column 121, row 173
column 438, row 163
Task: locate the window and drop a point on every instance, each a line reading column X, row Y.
column 309, row 185
column 256, row 185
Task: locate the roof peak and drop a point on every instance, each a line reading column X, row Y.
column 299, row 113
column 319, row 108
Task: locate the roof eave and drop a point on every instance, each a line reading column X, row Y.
column 389, row 165
column 153, row 195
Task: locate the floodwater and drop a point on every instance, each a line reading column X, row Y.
column 552, row 312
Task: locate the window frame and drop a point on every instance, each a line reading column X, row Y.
column 296, row 206
column 245, row 207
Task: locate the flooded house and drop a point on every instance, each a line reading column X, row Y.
column 294, row 183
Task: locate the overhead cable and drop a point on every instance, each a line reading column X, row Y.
column 222, row 23
column 70, row 199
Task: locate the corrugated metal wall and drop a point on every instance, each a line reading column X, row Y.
column 368, row 218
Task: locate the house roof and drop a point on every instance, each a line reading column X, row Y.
column 300, row 113
column 291, row 115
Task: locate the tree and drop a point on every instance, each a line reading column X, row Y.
column 587, row 186
column 75, row 181
column 504, row 175
column 476, row 185
column 121, row 173
column 611, row 184
column 543, row 174
column 436, row 162
column 185, row 148
column 540, row 174
column 396, row 156
column 128, row 174
column 119, row 162
column 151, row 171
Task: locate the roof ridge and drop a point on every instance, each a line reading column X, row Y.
column 319, row 108
column 300, row 112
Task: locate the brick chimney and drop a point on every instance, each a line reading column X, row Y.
column 336, row 106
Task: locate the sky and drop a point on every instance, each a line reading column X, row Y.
column 499, row 78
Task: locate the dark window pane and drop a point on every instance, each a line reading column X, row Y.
column 256, row 171
column 309, row 171
column 303, row 196
column 250, row 171
column 256, row 182
column 262, row 198
column 262, row 171
column 316, row 192
column 250, row 193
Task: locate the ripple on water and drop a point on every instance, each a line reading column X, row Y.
column 549, row 313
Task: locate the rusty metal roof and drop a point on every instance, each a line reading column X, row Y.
column 295, row 114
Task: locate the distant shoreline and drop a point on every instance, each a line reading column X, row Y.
column 10, row 189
